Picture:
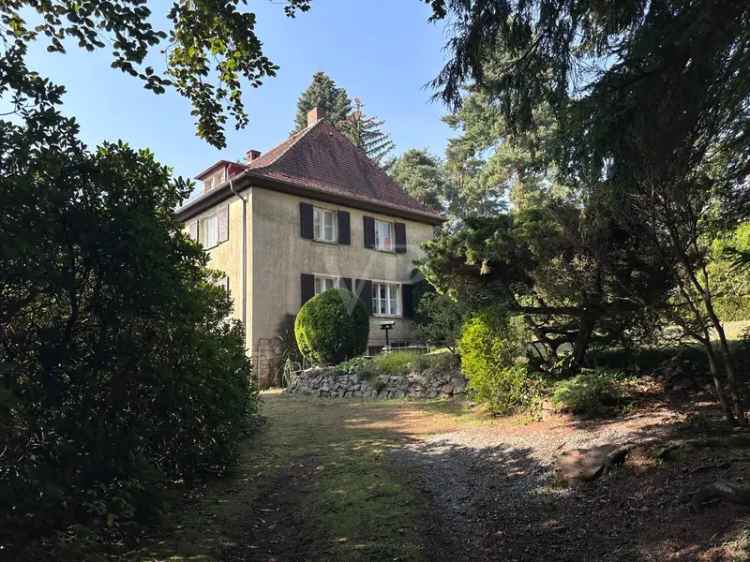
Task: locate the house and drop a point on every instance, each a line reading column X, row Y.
column 310, row 214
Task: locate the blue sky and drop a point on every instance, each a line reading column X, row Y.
column 383, row 51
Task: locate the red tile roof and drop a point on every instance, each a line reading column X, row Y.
column 322, row 159
column 319, row 161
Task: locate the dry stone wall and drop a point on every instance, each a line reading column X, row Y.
column 326, row 382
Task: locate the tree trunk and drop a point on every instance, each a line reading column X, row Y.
column 735, row 395
column 718, row 388
column 581, row 345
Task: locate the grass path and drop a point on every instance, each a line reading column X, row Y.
column 348, row 480
column 315, row 483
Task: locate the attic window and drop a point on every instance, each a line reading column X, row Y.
column 215, row 179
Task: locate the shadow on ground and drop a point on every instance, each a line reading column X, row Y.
column 376, row 481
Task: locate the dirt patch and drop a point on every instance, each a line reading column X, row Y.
column 276, row 527
column 498, row 496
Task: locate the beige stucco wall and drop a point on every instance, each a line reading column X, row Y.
column 227, row 255
column 281, row 255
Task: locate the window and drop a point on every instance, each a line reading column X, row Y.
column 209, row 231
column 324, row 224
column 386, row 299
column 214, row 179
column 384, row 235
column 325, row 283
column 214, row 228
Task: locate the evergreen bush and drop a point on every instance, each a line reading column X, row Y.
column 492, row 349
column 332, row 327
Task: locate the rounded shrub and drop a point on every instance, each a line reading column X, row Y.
column 332, row 327
column 492, row 347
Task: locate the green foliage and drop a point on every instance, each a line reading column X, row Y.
column 567, row 269
column 367, row 133
column 396, row 363
column 492, row 349
column 422, row 176
column 332, row 327
column 121, row 373
column 731, row 281
column 323, row 93
column 206, row 40
column 289, row 357
column 439, row 319
column 591, row 393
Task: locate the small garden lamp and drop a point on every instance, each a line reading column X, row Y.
column 387, row 326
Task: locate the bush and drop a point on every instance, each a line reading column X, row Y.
column 492, row 347
column 120, row 372
column 592, row 393
column 439, row 319
column 332, row 327
column 396, row 363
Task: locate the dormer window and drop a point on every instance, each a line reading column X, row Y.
column 215, row 179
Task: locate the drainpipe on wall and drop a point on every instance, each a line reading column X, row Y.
column 244, row 255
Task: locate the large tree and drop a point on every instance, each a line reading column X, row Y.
column 605, row 69
column 121, row 371
column 422, row 176
column 210, row 47
column 367, row 133
column 566, row 267
column 324, row 94
column 652, row 106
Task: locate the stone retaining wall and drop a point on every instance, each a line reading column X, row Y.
column 325, row 382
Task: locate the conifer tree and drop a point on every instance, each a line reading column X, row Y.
column 323, row 93
column 367, row 133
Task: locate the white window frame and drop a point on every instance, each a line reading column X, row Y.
column 321, row 232
column 386, row 299
column 209, row 237
column 215, row 179
column 380, row 241
column 324, row 280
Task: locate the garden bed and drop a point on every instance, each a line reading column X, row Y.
column 391, row 376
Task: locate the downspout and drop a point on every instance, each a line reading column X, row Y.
column 244, row 255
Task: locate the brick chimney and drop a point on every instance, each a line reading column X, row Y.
column 251, row 155
column 314, row 115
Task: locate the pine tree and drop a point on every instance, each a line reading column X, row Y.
column 366, row 132
column 422, row 176
column 322, row 93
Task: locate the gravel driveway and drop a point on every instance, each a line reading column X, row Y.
column 496, row 496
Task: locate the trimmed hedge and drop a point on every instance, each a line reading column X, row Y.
column 332, row 327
